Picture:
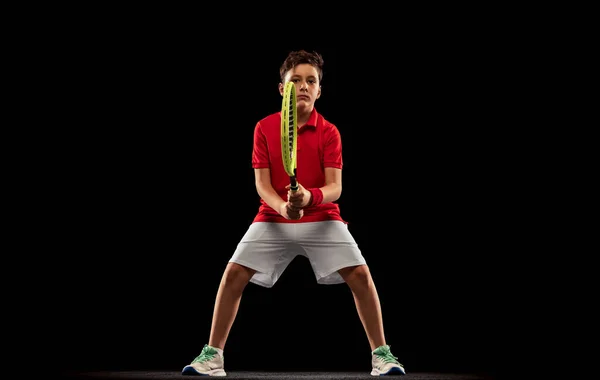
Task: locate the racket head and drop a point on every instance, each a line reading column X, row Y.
column 289, row 129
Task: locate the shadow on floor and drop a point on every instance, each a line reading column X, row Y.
column 166, row 375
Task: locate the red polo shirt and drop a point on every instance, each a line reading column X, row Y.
column 319, row 146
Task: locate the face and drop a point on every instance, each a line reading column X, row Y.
column 308, row 88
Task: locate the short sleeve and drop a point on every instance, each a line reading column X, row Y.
column 332, row 149
column 260, row 150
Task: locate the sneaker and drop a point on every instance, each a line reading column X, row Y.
column 384, row 363
column 209, row 363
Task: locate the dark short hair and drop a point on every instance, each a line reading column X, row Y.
column 299, row 57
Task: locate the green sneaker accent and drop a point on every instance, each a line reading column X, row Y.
column 386, row 355
column 207, row 354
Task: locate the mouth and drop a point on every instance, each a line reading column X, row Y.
column 303, row 97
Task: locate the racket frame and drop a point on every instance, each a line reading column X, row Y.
column 289, row 132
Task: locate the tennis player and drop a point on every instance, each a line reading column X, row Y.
column 289, row 223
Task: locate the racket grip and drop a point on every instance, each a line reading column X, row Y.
column 293, row 182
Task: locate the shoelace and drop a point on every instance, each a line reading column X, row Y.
column 386, row 355
column 207, row 354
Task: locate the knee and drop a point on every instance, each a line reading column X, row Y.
column 357, row 277
column 236, row 276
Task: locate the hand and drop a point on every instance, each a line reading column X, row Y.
column 290, row 212
column 299, row 198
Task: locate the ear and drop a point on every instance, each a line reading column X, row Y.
column 319, row 93
column 281, row 89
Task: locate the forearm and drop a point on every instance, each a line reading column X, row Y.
column 331, row 193
column 269, row 195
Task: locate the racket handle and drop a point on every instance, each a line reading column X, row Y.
column 293, row 183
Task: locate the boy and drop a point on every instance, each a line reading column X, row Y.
column 306, row 222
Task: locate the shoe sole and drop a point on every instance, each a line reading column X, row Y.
column 191, row 371
column 394, row 371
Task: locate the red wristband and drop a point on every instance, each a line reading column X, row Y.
column 317, row 196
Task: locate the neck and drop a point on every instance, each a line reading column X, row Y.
column 303, row 117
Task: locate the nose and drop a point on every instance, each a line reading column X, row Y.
column 303, row 86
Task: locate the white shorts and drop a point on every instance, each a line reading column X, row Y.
column 268, row 248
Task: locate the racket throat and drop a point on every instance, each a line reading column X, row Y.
column 293, row 182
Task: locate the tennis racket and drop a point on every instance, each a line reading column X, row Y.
column 289, row 132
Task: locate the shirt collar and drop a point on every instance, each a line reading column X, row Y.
column 312, row 120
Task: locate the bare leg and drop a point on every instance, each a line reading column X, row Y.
column 234, row 280
column 367, row 302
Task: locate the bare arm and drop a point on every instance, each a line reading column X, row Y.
column 333, row 185
column 262, row 178
column 331, row 191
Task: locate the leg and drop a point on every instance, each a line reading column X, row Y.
column 234, row 280
column 367, row 302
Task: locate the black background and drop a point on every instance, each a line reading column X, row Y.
column 152, row 169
